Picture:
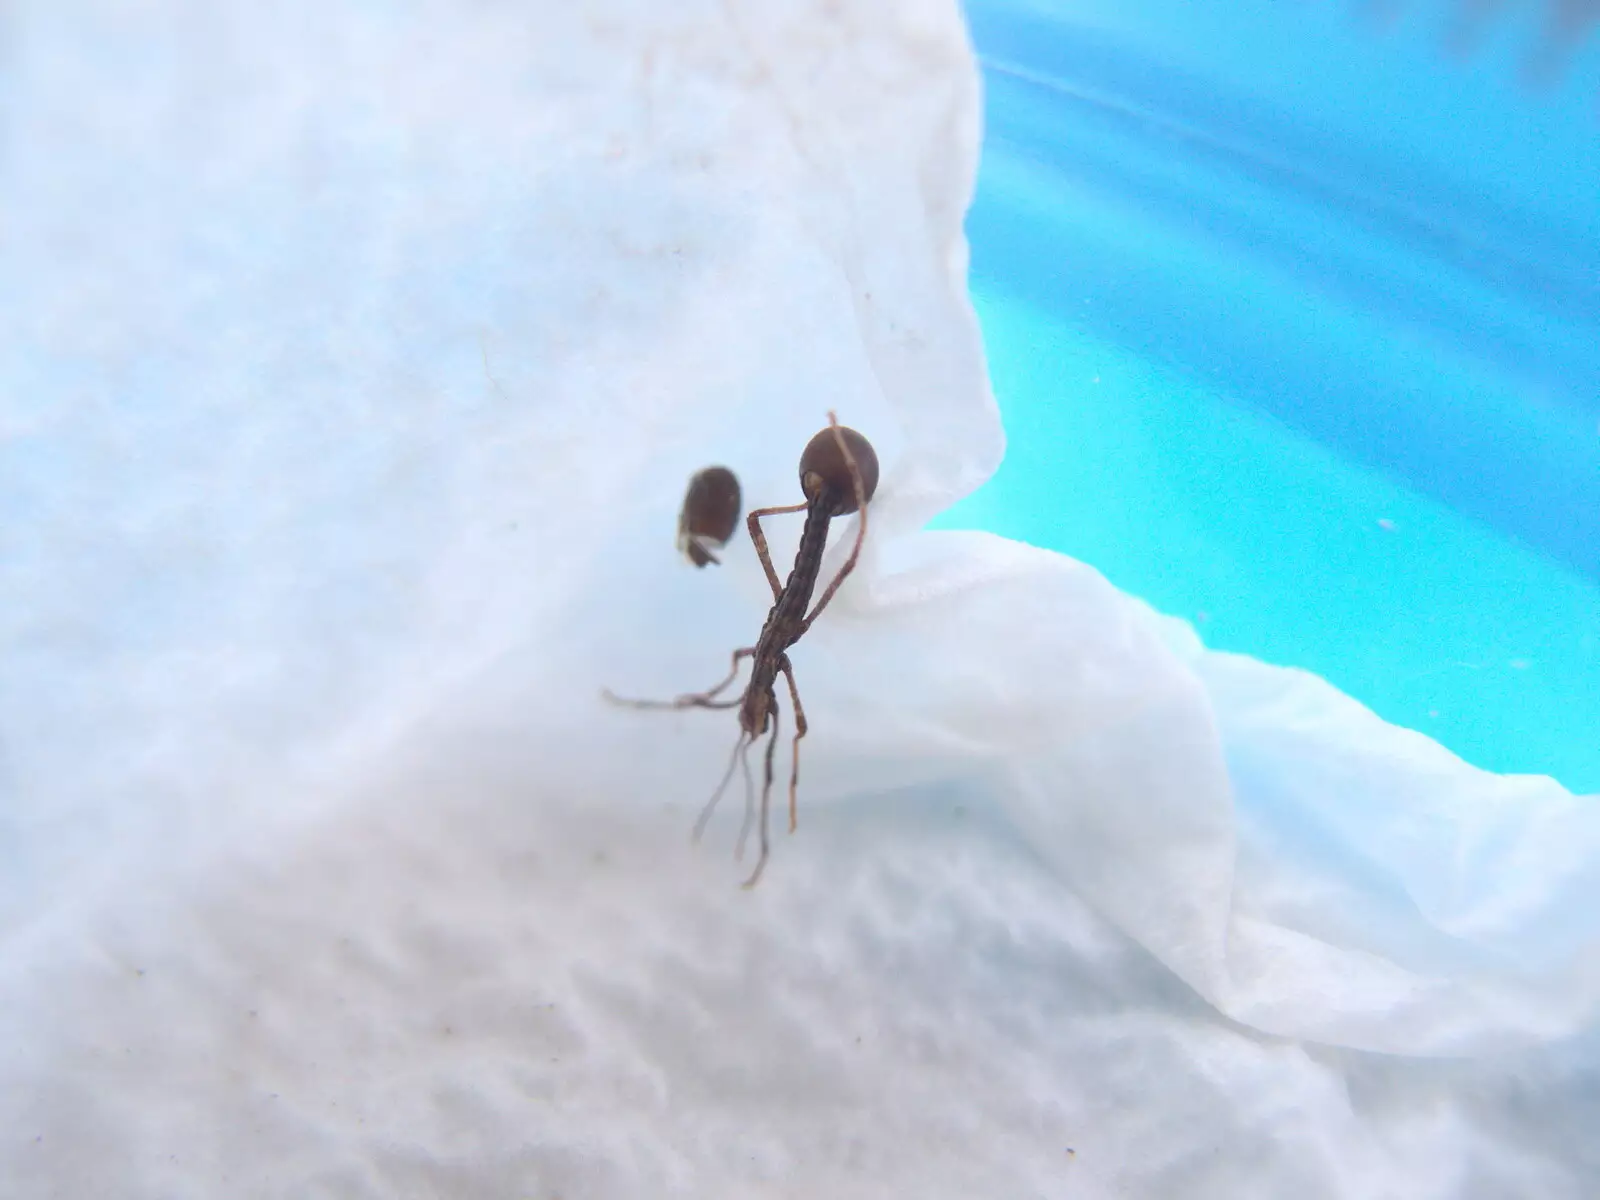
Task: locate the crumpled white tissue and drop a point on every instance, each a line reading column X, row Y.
column 355, row 361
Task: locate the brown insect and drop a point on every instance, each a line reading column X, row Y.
column 709, row 515
column 838, row 474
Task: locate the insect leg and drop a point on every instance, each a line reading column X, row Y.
column 692, row 699
column 799, row 732
column 766, row 800
column 861, row 525
column 753, row 524
column 705, row 813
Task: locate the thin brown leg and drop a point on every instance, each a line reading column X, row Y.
column 692, row 699
column 861, row 527
column 733, row 759
column 753, row 524
column 750, row 793
column 749, row 822
column 766, row 802
column 799, row 732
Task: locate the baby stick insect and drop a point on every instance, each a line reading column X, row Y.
column 838, row 474
column 709, row 515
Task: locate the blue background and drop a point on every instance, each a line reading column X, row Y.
column 1295, row 329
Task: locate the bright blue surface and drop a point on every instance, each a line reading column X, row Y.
column 1296, row 333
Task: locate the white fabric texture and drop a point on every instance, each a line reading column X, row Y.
column 355, row 360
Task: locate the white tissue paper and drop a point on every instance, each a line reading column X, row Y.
column 355, row 359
